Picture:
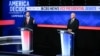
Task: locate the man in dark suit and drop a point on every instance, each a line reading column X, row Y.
column 28, row 21
column 29, row 24
column 73, row 25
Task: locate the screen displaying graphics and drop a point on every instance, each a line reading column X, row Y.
column 14, row 10
column 13, row 16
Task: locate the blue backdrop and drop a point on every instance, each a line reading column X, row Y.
column 86, row 18
column 15, row 9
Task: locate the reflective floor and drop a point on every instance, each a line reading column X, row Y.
column 26, row 55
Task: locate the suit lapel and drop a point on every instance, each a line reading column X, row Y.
column 72, row 22
column 27, row 21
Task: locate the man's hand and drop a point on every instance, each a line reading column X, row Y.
column 69, row 30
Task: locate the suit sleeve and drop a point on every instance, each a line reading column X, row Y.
column 68, row 24
column 23, row 23
column 76, row 26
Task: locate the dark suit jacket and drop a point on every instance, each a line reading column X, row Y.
column 30, row 24
column 74, row 25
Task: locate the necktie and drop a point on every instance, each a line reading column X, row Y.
column 71, row 21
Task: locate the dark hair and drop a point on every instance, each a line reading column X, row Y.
column 26, row 12
column 72, row 12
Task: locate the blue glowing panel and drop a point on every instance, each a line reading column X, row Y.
column 15, row 9
column 61, row 17
column 65, row 43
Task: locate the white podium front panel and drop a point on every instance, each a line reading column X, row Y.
column 25, row 38
column 65, row 43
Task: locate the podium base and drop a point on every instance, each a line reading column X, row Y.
column 25, row 52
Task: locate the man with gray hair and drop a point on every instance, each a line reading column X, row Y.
column 72, row 26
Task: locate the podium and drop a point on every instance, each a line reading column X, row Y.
column 26, row 34
column 66, row 42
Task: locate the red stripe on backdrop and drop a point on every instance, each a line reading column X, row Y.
column 7, row 22
column 12, row 22
column 64, row 26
